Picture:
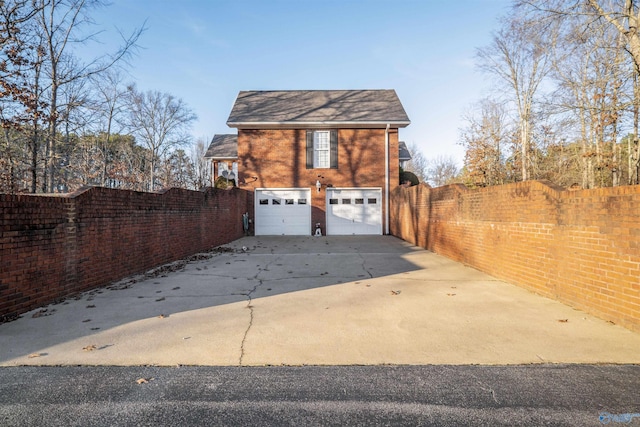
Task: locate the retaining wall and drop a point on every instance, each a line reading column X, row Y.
column 52, row 247
column 578, row 247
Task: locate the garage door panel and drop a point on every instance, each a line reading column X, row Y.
column 354, row 211
column 283, row 212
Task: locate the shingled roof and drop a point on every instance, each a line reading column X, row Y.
column 223, row 147
column 317, row 108
column 403, row 151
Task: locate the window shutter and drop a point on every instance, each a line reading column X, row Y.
column 334, row 149
column 309, row 149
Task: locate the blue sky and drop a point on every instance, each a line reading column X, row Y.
column 205, row 52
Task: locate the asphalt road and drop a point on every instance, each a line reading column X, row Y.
column 531, row 395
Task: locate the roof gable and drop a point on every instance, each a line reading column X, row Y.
column 324, row 108
column 403, row 152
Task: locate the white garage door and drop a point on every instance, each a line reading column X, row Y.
column 283, row 211
column 354, row 211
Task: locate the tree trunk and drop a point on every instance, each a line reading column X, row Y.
column 34, row 158
column 524, row 142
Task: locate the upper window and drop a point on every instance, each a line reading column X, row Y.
column 322, row 149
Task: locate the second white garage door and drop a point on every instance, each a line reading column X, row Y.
column 283, row 212
column 354, row 211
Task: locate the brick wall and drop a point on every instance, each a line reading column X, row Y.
column 54, row 246
column 277, row 158
column 579, row 247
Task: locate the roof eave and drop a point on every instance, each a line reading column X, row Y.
column 323, row 124
column 220, row 157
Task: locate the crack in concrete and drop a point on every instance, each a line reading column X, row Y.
column 246, row 332
column 363, row 267
column 250, row 307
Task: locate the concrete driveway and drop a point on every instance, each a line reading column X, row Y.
column 316, row 301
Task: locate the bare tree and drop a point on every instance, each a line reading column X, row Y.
column 624, row 16
column 160, row 123
column 63, row 23
column 19, row 52
column 485, row 139
column 419, row 165
column 633, row 144
column 594, row 86
column 21, row 103
column 202, row 171
column 442, row 170
column 177, row 170
column 108, row 105
column 611, row 27
column 127, row 163
column 571, row 73
column 518, row 58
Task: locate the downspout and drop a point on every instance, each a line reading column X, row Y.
column 386, row 178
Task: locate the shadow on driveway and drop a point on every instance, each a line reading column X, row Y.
column 312, row 300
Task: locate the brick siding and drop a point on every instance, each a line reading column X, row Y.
column 52, row 247
column 277, row 159
column 579, row 247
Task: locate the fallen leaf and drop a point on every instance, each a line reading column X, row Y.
column 86, row 320
column 160, row 299
column 89, row 347
column 162, row 316
column 451, row 295
column 33, row 355
column 142, row 381
column 43, row 312
column 395, row 292
column 563, row 320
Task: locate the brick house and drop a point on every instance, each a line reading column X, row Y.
column 315, row 158
column 223, row 154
